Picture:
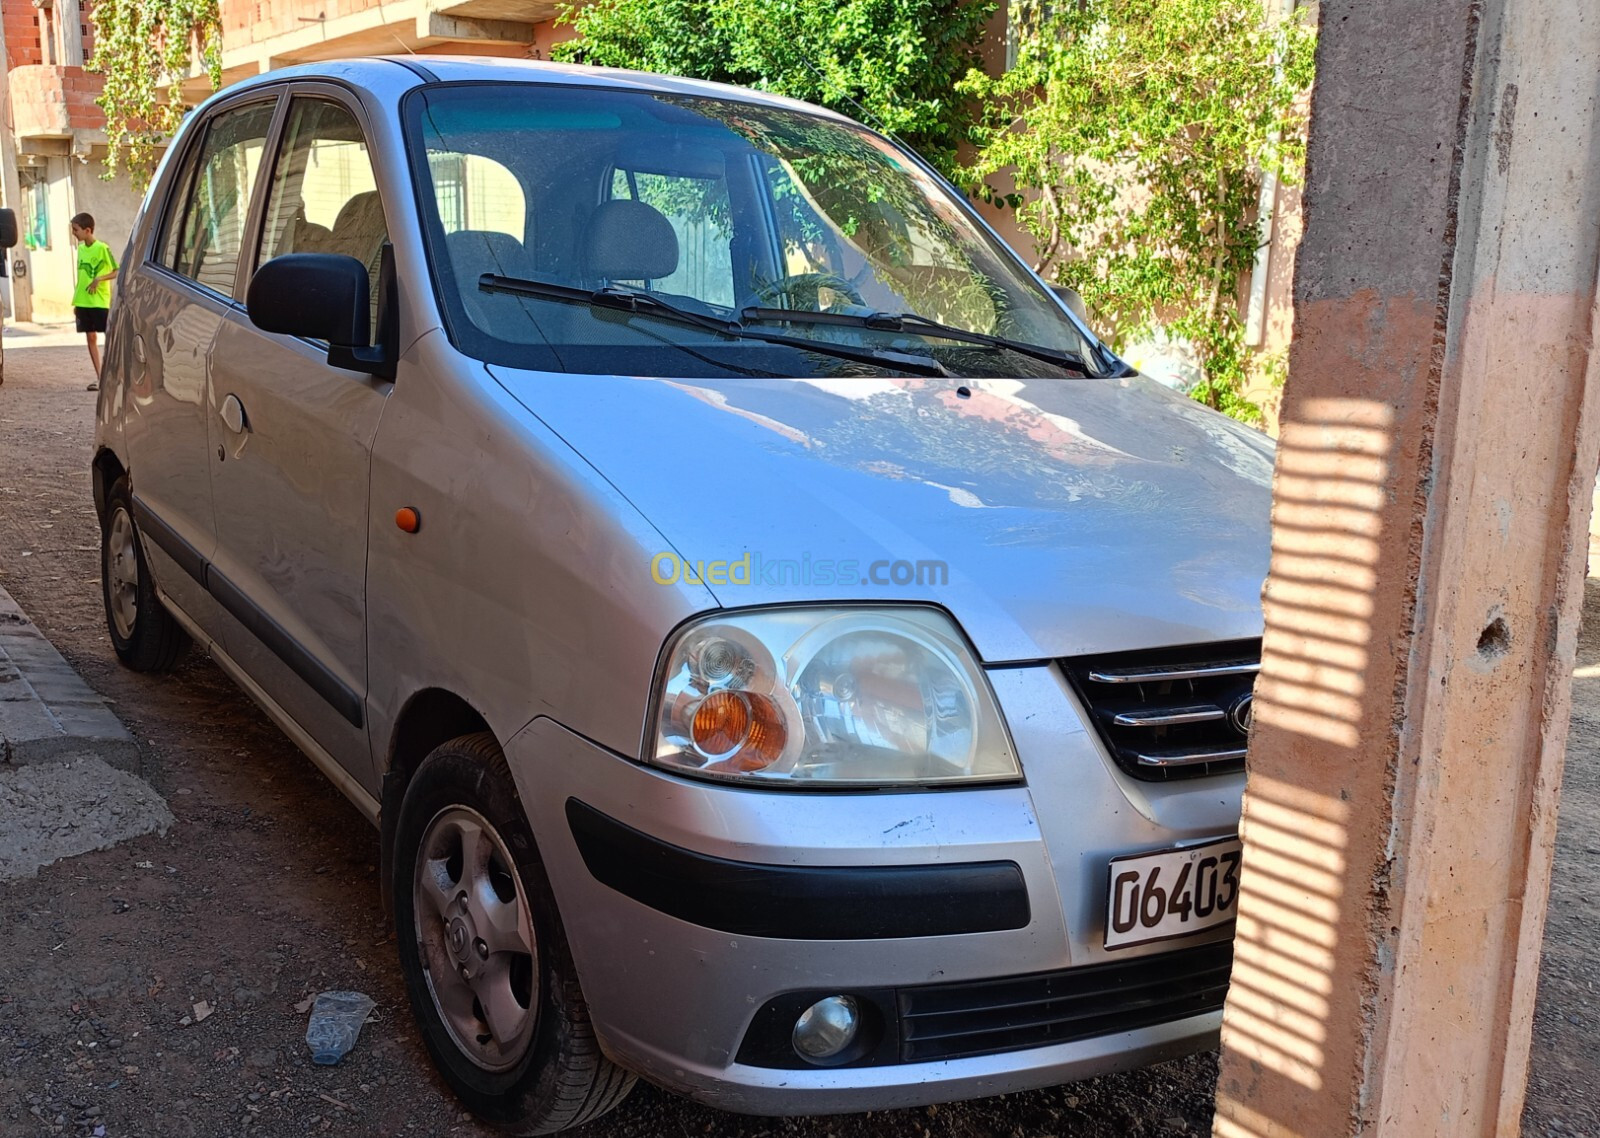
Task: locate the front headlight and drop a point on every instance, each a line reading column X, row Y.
column 828, row 697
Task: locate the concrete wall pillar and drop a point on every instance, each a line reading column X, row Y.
column 1439, row 447
column 69, row 33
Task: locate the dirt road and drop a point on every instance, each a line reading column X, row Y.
column 266, row 891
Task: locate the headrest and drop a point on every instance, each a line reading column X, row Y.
column 474, row 252
column 630, row 241
column 359, row 214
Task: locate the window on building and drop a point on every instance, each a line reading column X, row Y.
column 483, row 211
column 324, row 195
column 478, row 193
column 37, row 193
column 216, row 206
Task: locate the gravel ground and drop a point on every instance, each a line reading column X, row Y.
column 265, row 891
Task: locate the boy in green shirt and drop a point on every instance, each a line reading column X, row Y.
column 91, row 299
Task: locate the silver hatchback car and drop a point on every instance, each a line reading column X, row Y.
column 785, row 655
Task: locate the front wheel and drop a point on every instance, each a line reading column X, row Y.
column 486, row 963
column 145, row 635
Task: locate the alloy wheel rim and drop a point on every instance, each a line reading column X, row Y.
column 475, row 938
column 122, row 574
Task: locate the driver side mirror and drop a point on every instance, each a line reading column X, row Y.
column 322, row 296
column 1073, row 301
column 8, row 228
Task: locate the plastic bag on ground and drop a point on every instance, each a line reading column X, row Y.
column 336, row 1019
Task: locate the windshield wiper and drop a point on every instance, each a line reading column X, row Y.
column 648, row 304
column 918, row 325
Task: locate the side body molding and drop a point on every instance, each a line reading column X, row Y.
column 340, row 696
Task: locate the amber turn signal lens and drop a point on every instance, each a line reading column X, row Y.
column 721, row 723
column 408, row 519
column 744, row 732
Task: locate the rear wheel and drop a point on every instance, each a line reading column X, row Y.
column 485, row 959
column 144, row 634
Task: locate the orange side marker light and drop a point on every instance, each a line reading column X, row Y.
column 408, row 519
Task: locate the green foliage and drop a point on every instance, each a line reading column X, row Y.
column 1140, row 130
column 144, row 48
column 896, row 63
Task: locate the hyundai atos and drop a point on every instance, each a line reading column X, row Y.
column 786, row 656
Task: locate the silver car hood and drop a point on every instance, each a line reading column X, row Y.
column 1075, row 516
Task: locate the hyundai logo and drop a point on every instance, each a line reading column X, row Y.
column 1242, row 714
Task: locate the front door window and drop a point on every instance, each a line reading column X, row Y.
column 324, row 195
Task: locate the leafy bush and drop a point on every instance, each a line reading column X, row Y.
column 1138, row 131
column 895, row 64
column 144, row 48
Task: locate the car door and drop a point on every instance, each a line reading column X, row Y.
column 291, row 438
column 181, row 290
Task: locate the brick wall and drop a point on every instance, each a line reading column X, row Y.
column 82, row 89
column 23, row 45
column 24, row 48
column 50, row 101
column 22, row 32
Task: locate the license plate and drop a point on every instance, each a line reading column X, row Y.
column 1172, row 893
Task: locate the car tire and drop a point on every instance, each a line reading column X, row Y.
column 145, row 635
column 467, row 871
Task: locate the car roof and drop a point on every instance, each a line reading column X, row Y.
column 380, row 71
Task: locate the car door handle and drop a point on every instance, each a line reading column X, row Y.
column 233, row 416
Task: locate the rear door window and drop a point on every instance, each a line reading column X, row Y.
column 216, row 205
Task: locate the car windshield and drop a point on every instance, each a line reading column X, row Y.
column 752, row 232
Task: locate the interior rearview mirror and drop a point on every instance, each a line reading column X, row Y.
column 1073, row 301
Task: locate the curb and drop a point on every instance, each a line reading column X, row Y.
column 47, row 712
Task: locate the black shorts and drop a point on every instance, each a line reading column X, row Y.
column 91, row 319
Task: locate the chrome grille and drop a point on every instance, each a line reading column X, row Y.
column 1172, row 713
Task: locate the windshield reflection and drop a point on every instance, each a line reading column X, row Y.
column 715, row 207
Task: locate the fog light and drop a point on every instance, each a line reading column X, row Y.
column 827, row 1027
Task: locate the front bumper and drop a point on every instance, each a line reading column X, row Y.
column 675, row 998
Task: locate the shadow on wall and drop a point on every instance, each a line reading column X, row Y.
column 1295, row 924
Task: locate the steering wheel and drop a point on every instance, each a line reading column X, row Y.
column 804, row 291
